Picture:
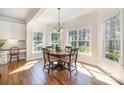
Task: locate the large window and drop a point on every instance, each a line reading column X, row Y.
column 84, row 40
column 112, row 38
column 37, row 41
column 73, row 38
column 81, row 39
column 55, row 36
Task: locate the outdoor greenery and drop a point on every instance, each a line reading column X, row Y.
column 84, row 49
column 112, row 55
column 1, row 45
column 112, row 38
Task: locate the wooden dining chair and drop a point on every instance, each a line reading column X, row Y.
column 48, row 60
column 50, row 48
column 68, row 48
column 14, row 53
column 71, row 60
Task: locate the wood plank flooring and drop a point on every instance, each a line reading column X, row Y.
column 32, row 73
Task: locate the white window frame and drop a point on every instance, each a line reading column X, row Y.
column 90, row 43
column 33, row 42
column 77, row 41
column 51, row 42
column 73, row 40
column 104, row 41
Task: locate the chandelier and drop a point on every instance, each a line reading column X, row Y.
column 59, row 27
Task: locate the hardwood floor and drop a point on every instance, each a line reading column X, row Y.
column 32, row 73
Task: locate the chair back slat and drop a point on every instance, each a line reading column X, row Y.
column 68, row 48
column 46, row 55
column 73, row 54
column 14, row 51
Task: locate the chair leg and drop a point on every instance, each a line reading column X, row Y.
column 64, row 65
column 76, row 66
column 69, row 69
column 44, row 65
column 18, row 57
column 52, row 65
column 49, row 68
column 10, row 58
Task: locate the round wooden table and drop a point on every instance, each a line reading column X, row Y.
column 59, row 55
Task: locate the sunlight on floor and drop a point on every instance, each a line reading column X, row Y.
column 98, row 74
column 83, row 70
column 95, row 69
column 104, row 78
column 26, row 66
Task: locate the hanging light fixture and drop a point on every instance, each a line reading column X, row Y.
column 59, row 27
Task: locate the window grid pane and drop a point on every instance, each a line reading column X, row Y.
column 112, row 39
column 81, row 38
column 55, row 36
column 73, row 38
column 37, row 41
column 84, row 40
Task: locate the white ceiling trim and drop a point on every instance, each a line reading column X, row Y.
column 19, row 15
column 11, row 20
column 32, row 15
column 34, row 18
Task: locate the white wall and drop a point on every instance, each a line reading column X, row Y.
column 38, row 27
column 13, row 33
column 50, row 29
column 90, row 20
column 34, row 28
column 95, row 19
column 115, row 69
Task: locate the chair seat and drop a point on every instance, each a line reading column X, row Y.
column 14, row 53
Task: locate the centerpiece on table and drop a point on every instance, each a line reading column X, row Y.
column 59, row 45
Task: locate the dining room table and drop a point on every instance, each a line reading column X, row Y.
column 59, row 54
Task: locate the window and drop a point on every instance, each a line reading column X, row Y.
column 112, row 38
column 73, row 38
column 55, row 36
column 37, row 41
column 81, row 38
column 84, row 40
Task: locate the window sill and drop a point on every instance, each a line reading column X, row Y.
column 109, row 60
column 87, row 54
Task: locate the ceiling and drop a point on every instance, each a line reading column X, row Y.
column 17, row 13
column 66, row 14
column 49, row 16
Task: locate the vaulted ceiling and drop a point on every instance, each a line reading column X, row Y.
column 18, row 13
column 48, row 16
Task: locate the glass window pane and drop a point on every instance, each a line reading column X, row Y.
column 74, row 43
column 83, row 39
column 37, row 41
column 112, row 38
column 55, row 36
